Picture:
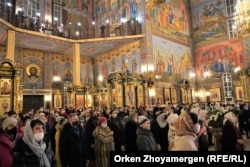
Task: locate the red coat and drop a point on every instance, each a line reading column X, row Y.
column 6, row 154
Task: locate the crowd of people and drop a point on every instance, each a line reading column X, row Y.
column 72, row 137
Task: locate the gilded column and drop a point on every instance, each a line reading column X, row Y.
column 245, row 84
column 76, row 64
column 17, row 92
column 146, row 94
column 11, row 45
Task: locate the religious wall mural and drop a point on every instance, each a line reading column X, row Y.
column 171, row 19
column 209, row 22
column 33, row 72
column 172, row 61
column 86, row 74
column 124, row 61
column 219, row 58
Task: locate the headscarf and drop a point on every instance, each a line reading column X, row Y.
column 231, row 117
column 185, row 125
column 172, row 118
column 37, row 148
column 161, row 120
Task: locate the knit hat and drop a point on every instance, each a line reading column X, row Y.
column 7, row 122
column 172, row 118
column 142, row 119
column 101, row 120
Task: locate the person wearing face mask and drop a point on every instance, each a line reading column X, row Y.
column 31, row 149
column 117, row 126
column 73, row 145
column 9, row 127
column 104, row 143
column 145, row 139
column 90, row 127
column 232, row 139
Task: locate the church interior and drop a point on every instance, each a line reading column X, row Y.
column 115, row 53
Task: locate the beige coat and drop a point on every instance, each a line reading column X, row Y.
column 104, row 143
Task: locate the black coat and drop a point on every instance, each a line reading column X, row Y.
column 160, row 135
column 119, row 132
column 90, row 127
column 73, row 146
column 229, row 137
column 130, row 135
column 25, row 157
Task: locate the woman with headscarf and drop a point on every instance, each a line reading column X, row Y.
column 159, row 128
column 171, row 120
column 186, row 129
column 104, row 142
column 31, row 149
column 231, row 137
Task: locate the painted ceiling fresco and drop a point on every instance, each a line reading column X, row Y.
column 88, row 47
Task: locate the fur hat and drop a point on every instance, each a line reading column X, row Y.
column 101, row 120
column 8, row 121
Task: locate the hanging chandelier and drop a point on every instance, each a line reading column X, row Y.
column 242, row 18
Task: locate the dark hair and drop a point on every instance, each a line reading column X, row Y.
column 11, row 112
column 36, row 122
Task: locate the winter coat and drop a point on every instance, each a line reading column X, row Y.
column 57, row 135
column 130, row 135
column 73, row 146
column 104, row 143
column 145, row 140
column 6, row 154
column 25, row 157
column 160, row 134
column 118, row 128
column 90, row 127
column 230, row 135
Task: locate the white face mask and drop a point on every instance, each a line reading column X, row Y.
column 197, row 128
column 114, row 115
column 104, row 125
column 38, row 136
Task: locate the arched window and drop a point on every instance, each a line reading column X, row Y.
column 57, row 12
column 227, row 87
column 33, row 8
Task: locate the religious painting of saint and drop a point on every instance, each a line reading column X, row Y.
column 105, row 70
column 57, row 101
column 215, row 94
column 140, row 95
column 239, row 93
column 173, row 95
column 5, row 86
column 79, row 101
column 33, row 73
column 167, row 95
column 130, row 96
column 5, row 105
